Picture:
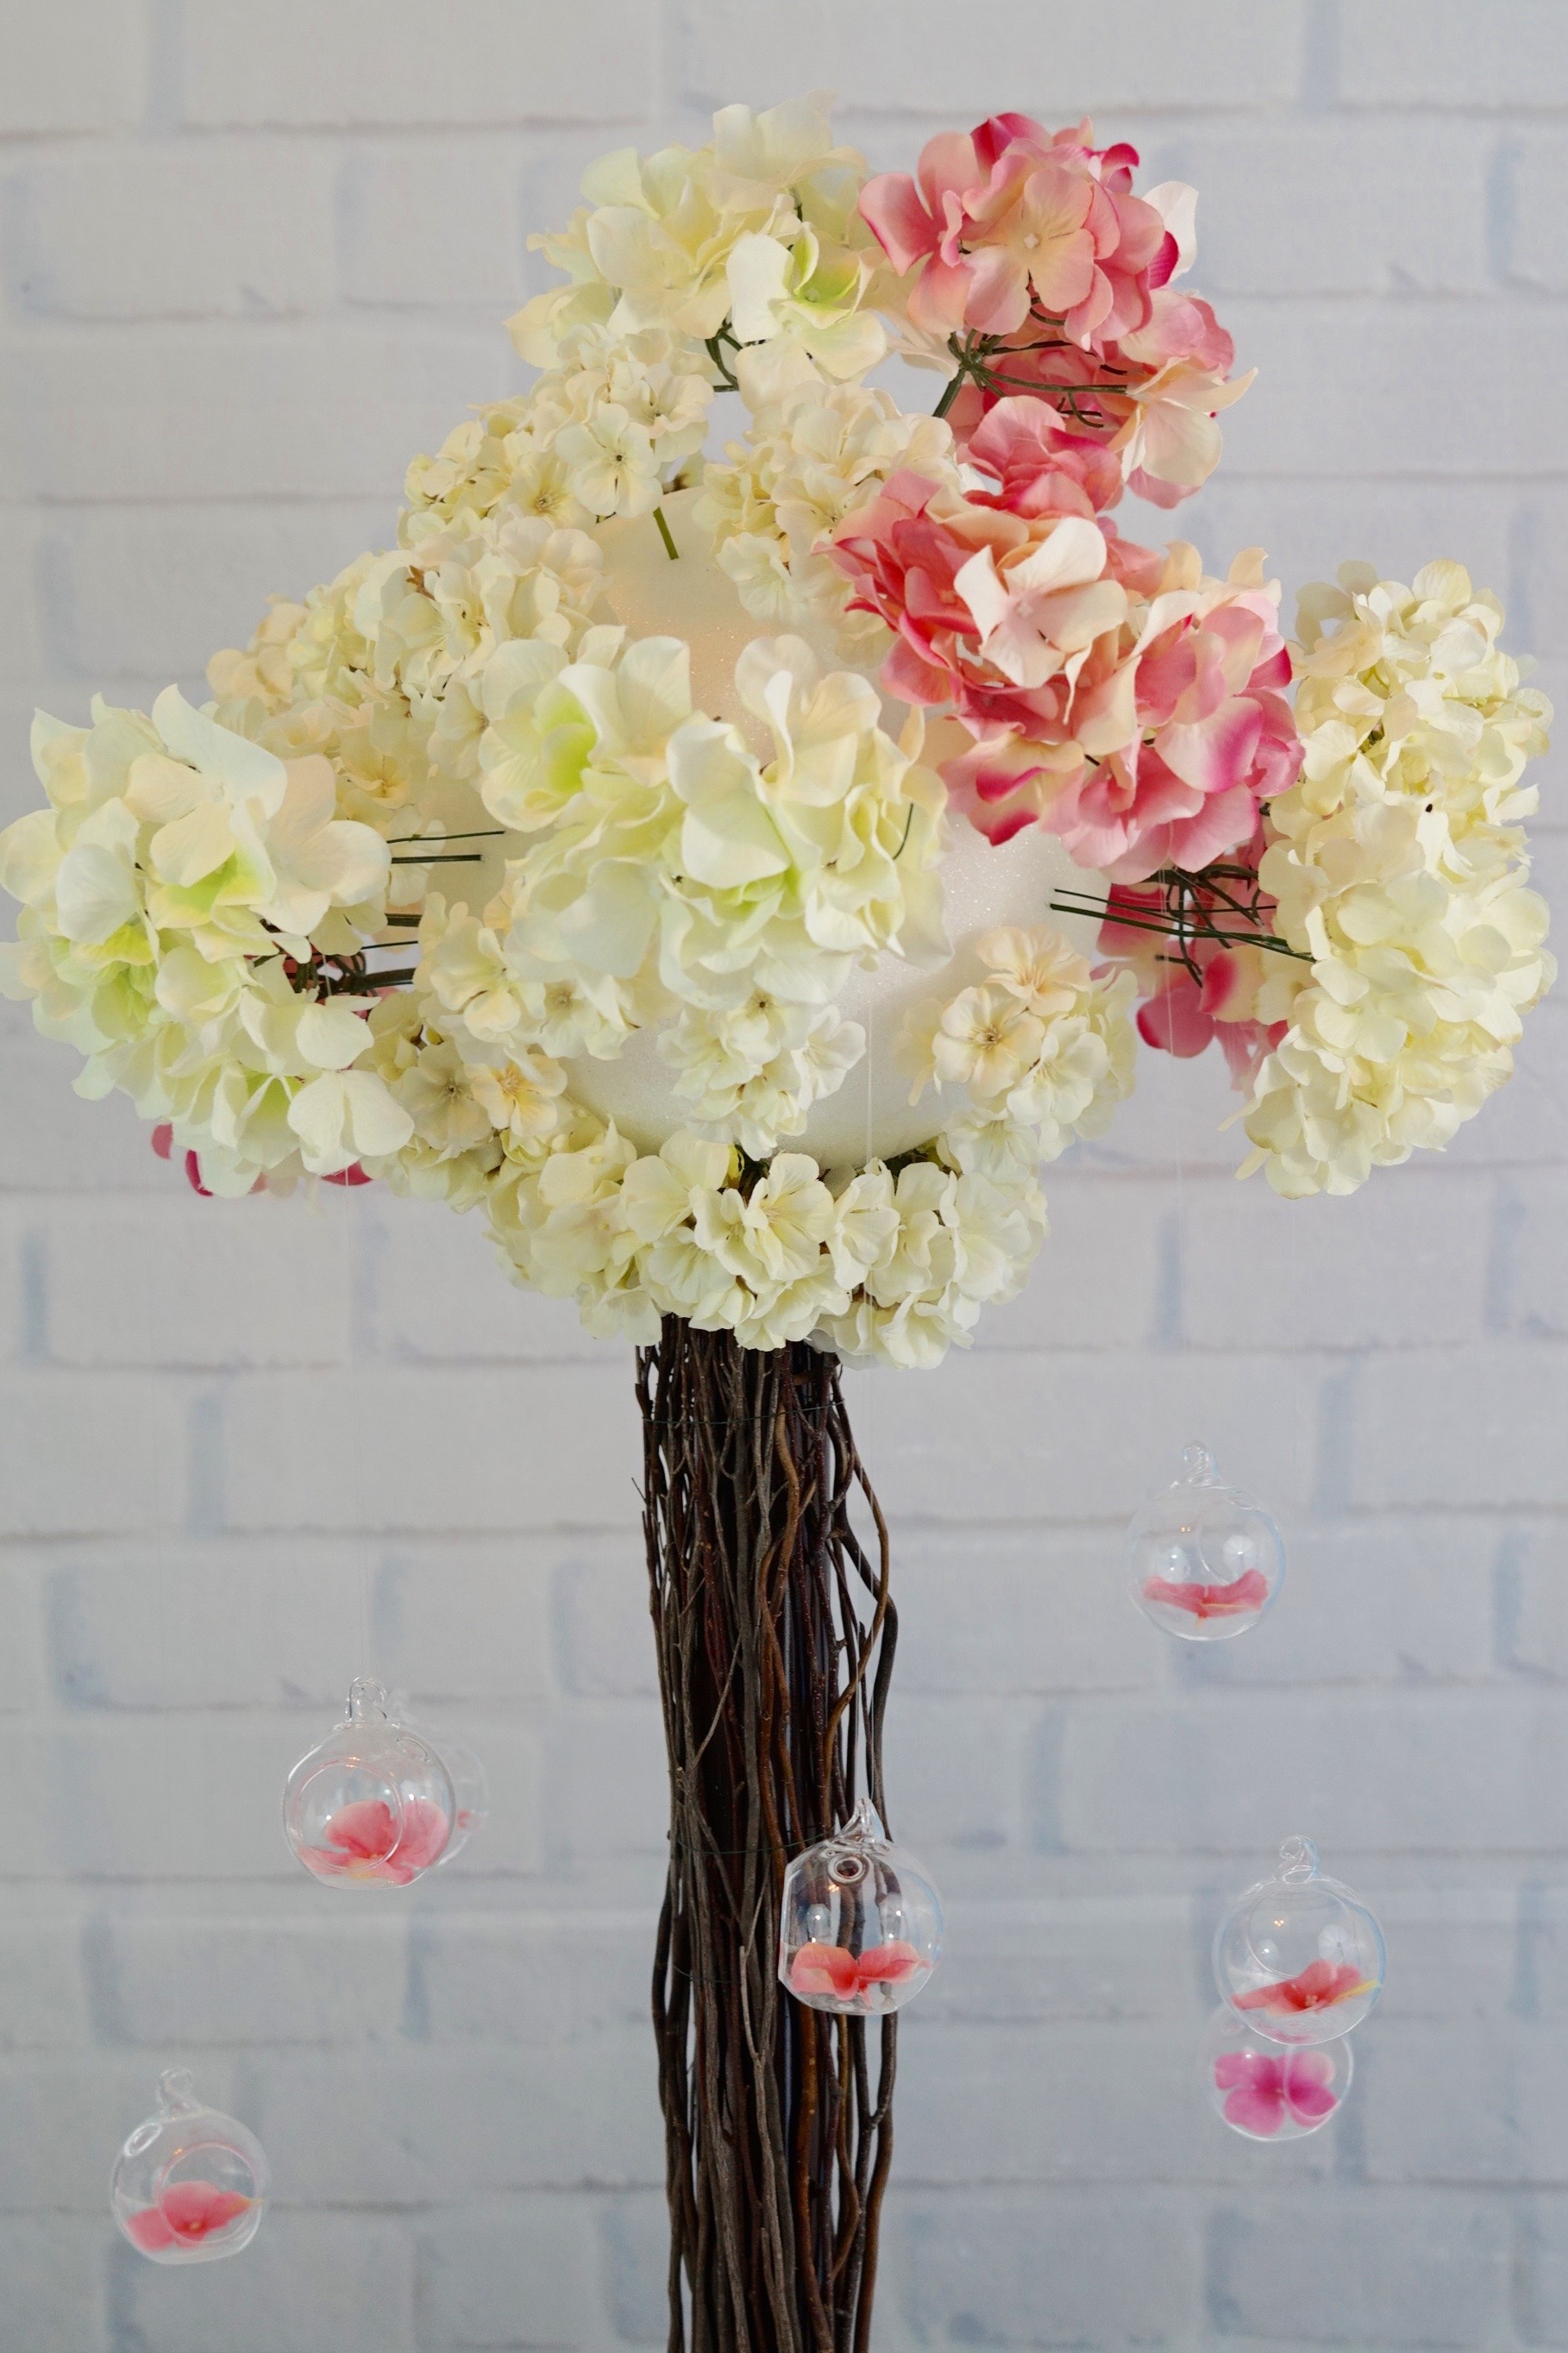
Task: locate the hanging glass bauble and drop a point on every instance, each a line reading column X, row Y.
column 190, row 2185
column 1267, row 2091
column 470, row 1784
column 860, row 1929
column 373, row 1804
column 1297, row 1956
column 1205, row 1561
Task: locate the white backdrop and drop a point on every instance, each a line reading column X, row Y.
column 254, row 258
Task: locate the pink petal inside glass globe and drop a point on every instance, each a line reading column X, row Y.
column 1266, row 2093
column 373, row 1804
column 1297, row 1956
column 187, row 2212
column 1204, row 1561
column 190, row 2185
column 860, row 1924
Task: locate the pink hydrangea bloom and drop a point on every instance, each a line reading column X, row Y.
column 186, row 2213
column 1008, row 215
column 1044, row 588
column 364, row 1840
column 1036, row 243
column 1117, row 697
column 1262, row 2091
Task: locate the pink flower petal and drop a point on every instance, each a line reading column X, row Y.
column 150, row 2230
column 1214, row 754
column 1252, row 2111
column 824, row 1968
column 426, row 1830
column 891, row 208
column 366, row 1830
column 1247, row 1593
column 194, row 2210
column 1174, row 1019
column 888, row 1963
column 1309, row 2086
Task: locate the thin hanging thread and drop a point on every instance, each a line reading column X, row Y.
column 1181, row 1301
column 356, row 1439
column 350, row 1211
column 165, row 1532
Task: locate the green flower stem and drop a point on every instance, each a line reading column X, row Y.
column 670, row 548
column 950, row 393
column 1174, row 927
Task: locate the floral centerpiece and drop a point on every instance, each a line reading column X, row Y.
column 734, row 871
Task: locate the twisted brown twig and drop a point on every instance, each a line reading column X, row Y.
column 776, row 1636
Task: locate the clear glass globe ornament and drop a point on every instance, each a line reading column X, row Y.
column 190, row 2185
column 1204, row 1562
column 1297, row 1958
column 860, row 1926
column 373, row 1805
column 1270, row 2091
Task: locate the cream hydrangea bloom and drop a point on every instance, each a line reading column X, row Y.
column 751, row 1072
column 667, row 855
column 177, row 871
column 756, row 236
column 1400, row 873
column 1041, row 1051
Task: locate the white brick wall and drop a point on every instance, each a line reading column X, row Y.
column 251, row 261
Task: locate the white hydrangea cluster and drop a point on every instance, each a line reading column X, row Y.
column 605, row 432
column 755, row 238
column 885, row 1263
column 173, row 886
column 432, row 615
column 753, row 1072
column 1400, row 872
column 1039, row 1052
column 810, row 458
column 671, row 864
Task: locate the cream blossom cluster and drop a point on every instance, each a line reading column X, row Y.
column 303, row 685
column 172, row 889
column 605, row 432
column 756, row 237
column 1399, row 872
column 432, row 616
column 753, row 1072
column 886, row 1264
column 378, row 670
column 810, row 459
column 672, row 859
column 1036, row 1054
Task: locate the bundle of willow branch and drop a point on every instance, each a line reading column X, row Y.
column 775, row 1639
